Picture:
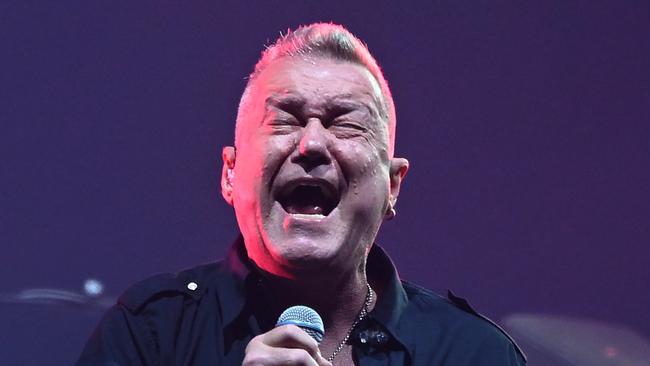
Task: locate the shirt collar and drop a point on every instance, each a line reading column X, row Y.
column 391, row 305
column 393, row 300
column 234, row 272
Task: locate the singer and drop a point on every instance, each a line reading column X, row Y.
column 311, row 177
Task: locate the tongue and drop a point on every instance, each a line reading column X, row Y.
column 304, row 209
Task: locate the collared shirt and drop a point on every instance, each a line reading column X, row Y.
column 207, row 315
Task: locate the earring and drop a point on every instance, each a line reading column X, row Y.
column 390, row 213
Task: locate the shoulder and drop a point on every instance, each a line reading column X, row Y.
column 146, row 323
column 457, row 320
column 190, row 284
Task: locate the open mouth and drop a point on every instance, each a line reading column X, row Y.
column 309, row 198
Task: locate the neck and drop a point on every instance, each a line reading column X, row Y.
column 337, row 300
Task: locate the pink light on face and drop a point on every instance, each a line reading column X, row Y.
column 302, row 187
column 610, row 351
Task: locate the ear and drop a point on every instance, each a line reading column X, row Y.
column 228, row 173
column 398, row 169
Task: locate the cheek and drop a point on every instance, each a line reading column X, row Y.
column 365, row 168
column 259, row 160
column 247, row 168
column 274, row 154
column 358, row 157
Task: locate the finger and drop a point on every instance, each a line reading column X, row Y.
column 291, row 336
column 322, row 361
column 259, row 354
column 292, row 357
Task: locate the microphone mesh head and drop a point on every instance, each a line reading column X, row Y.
column 304, row 317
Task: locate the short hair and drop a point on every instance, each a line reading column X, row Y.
column 330, row 41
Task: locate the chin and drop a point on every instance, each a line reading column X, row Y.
column 306, row 250
column 295, row 255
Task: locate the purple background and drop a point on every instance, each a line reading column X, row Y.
column 526, row 126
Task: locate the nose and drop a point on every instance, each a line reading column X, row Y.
column 313, row 149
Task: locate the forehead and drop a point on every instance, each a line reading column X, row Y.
column 317, row 80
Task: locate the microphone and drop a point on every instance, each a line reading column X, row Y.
column 306, row 318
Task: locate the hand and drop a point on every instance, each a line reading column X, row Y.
column 281, row 346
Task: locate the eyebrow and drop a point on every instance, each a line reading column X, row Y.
column 337, row 102
column 285, row 101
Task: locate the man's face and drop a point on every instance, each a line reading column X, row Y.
column 311, row 178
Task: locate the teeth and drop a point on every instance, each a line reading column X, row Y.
column 308, row 216
column 306, row 209
column 307, row 198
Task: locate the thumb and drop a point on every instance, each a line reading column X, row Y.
column 323, row 361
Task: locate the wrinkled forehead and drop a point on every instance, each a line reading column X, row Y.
column 318, row 79
column 317, row 76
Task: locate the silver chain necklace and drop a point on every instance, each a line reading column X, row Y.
column 362, row 314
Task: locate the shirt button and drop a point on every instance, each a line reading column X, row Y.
column 381, row 338
column 192, row 286
column 363, row 337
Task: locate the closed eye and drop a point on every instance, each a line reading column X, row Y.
column 281, row 118
column 283, row 122
column 350, row 125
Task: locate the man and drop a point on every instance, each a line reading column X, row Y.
column 311, row 178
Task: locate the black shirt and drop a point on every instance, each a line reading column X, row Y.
column 207, row 315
